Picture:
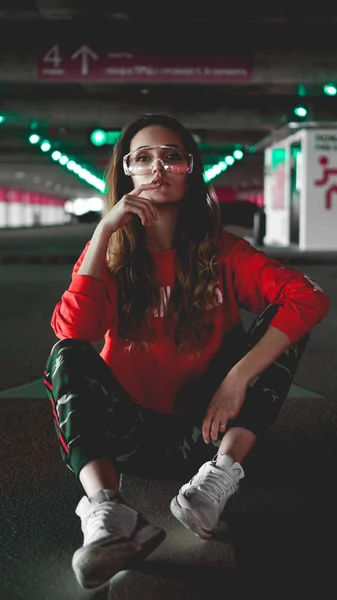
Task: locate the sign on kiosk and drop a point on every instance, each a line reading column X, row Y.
column 301, row 190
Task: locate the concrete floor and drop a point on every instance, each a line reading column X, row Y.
column 279, row 529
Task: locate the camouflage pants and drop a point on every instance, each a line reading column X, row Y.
column 94, row 417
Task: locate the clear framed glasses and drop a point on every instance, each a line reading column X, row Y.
column 143, row 160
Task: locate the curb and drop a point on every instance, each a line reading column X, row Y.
column 38, row 260
column 69, row 259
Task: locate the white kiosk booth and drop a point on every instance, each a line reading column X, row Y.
column 300, row 190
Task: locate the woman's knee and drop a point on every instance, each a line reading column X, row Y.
column 62, row 346
column 70, row 343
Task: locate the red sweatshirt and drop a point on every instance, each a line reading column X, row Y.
column 248, row 279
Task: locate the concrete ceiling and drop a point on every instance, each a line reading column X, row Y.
column 278, row 47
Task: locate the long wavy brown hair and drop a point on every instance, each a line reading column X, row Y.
column 187, row 316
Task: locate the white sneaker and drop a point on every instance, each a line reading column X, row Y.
column 200, row 502
column 115, row 537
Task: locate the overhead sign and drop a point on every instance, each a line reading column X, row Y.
column 88, row 63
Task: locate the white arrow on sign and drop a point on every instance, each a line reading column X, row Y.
column 84, row 52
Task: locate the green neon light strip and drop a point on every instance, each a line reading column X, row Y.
column 222, row 165
column 72, row 165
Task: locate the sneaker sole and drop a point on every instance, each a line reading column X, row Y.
column 96, row 564
column 148, row 541
column 189, row 520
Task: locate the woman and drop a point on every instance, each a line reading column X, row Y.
column 179, row 382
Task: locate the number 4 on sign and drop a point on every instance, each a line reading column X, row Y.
column 53, row 56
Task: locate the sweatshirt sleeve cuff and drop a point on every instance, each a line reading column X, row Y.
column 87, row 286
column 290, row 325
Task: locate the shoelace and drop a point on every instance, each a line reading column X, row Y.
column 104, row 519
column 213, row 482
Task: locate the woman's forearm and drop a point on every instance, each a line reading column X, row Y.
column 94, row 261
column 264, row 353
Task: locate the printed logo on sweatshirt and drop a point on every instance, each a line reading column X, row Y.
column 165, row 293
column 313, row 283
